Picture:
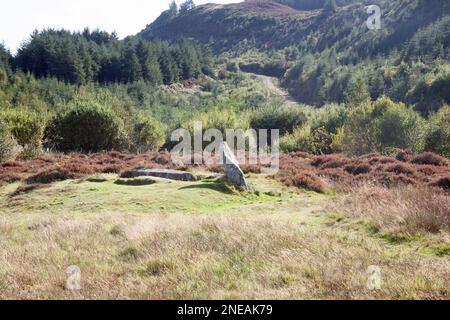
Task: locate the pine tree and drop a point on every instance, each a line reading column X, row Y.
column 131, row 70
column 148, row 59
column 357, row 92
column 173, row 9
column 168, row 66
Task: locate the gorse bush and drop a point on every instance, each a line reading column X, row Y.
column 27, row 128
column 86, row 126
column 147, row 134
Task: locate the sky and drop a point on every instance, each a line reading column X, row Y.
column 19, row 18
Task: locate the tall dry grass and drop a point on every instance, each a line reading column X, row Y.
column 407, row 209
column 125, row 256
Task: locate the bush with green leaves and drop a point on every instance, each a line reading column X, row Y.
column 27, row 128
column 147, row 135
column 437, row 135
column 286, row 119
column 302, row 139
column 306, row 139
column 88, row 127
column 382, row 126
column 9, row 148
column 397, row 126
column 358, row 131
column 221, row 119
column 330, row 117
column 3, row 77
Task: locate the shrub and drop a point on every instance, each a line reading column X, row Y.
column 330, row 117
column 300, row 140
column 27, row 128
column 429, row 158
column 358, row 132
column 148, row 134
column 330, row 161
column 443, row 183
column 358, row 169
column 3, row 77
column 400, row 168
column 309, row 181
column 8, row 145
column 337, row 141
column 232, row 66
column 220, row 119
column 404, row 155
column 285, row 119
column 437, row 135
column 397, row 126
column 297, row 177
column 357, row 91
column 52, row 175
column 86, row 126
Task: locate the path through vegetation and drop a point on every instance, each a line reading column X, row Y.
column 272, row 84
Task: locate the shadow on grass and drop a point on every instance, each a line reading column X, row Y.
column 138, row 182
column 218, row 186
column 25, row 189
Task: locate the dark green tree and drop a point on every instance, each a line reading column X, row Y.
column 130, row 65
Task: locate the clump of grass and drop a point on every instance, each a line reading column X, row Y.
column 130, row 253
column 157, row 267
column 441, row 250
column 117, row 231
column 97, row 179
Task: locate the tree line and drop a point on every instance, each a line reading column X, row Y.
column 98, row 56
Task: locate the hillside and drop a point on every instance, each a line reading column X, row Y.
column 320, row 52
column 273, row 24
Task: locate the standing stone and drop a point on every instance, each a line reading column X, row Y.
column 233, row 172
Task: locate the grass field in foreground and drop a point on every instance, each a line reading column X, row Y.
column 200, row 240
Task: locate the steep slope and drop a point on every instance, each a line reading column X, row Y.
column 225, row 26
column 321, row 50
column 306, row 24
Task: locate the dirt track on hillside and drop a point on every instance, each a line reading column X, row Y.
column 272, row 85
